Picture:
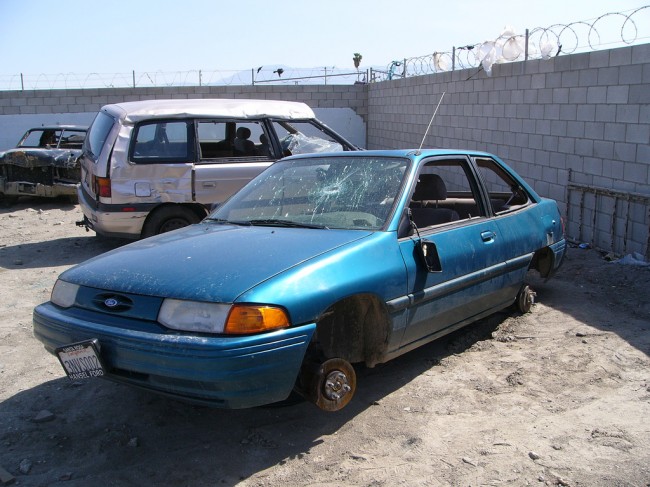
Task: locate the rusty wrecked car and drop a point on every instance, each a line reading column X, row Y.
column 320, row 264
column 44, row 163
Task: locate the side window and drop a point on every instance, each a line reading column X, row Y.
column 506, row 194
column 445, row 193
column 233, row 139
column 72, row 139
column 302, row 137
column 164, row 141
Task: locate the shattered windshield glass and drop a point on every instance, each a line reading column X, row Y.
column 320, row 192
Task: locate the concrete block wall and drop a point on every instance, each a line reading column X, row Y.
column 20, row 111
column 583, row 118
column 91, row 100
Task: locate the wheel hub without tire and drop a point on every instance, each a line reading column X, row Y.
column 336, row 386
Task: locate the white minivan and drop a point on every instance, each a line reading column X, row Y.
column 152, row 166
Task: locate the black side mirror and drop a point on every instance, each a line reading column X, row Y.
column 429, row 255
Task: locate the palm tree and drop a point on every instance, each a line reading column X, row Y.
column 357, row 61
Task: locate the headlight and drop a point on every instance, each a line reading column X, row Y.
column 64, row 293
column 221, row 318
column 193, row 315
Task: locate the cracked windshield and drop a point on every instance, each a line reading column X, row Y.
column 325, row 192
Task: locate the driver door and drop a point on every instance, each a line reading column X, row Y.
column 466, row 252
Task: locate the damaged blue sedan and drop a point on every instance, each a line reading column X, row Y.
column 320, row 263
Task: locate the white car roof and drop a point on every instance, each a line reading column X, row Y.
column 135, row 111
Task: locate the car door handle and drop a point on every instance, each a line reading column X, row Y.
column 488, row 236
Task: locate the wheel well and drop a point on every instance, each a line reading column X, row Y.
column 543, row 261
column 199, row 210
column 356, row 329
column 196, row 208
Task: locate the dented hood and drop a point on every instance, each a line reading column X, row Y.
column 207, row 262
column 68, row 158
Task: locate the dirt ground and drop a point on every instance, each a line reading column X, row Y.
column 560, row 396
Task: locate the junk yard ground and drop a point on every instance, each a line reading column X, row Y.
column 560, row 396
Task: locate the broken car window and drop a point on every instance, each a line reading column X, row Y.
column 334, row 192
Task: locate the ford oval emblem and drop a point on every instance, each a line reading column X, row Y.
column 111, row 302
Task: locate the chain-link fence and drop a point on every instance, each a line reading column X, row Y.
column 607, row 31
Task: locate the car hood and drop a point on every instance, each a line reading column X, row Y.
column 41, row 157
column 208, row 261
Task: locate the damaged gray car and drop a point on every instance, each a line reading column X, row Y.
column 44, row 163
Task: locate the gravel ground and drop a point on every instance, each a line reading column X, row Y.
column 559, row 396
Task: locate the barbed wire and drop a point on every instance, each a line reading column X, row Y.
column 509, row 46
column 276, row 76
column 537, row 43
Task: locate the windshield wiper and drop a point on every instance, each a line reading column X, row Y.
column 284, row 223
column 230, row 222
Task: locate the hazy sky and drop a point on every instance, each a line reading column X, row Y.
column 83, row 36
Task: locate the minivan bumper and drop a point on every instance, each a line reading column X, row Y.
column 118, row 223
column 225, row 372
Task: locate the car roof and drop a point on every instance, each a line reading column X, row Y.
column 410, row 153
column 60, row 127
column 136, row 111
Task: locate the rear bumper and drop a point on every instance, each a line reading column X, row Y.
column 120, row 224
column 227, row 372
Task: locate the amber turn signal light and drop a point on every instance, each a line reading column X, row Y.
column 244, row 319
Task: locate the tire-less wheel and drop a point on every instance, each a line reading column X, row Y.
column 168, row 218
column 330, row 385
column 525, row 298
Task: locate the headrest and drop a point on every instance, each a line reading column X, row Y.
column 430, row 187
column 243, row 132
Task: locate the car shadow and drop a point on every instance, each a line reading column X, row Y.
column 104, row 433
column 585, row 289
column 56, row 252
column 53, row 252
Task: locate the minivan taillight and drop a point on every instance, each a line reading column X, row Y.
column 102, row 187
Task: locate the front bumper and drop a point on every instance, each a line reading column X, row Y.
column 28, row 188
column 227, row 372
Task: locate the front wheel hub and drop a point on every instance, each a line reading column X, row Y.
column 330, row 385
column 336, row 386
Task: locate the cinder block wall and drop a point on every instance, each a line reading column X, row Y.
column 577, row 126
column 91, row 100
column 20, row 111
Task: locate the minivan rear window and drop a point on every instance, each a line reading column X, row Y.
column 98, row 134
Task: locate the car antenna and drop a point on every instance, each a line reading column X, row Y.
column 430, row 122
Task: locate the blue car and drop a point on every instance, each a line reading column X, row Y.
column 321, row 262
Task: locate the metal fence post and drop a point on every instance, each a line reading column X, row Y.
column 526, row 48
column 453, row 58
column 133, row 73
column 22, row 82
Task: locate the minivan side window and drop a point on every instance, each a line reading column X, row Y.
column 161, row 141
column 302, row 137
column 219, row 139
column 98, row 134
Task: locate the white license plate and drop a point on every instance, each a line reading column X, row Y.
column 81, row 360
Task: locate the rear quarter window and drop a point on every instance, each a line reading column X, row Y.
column 98, row 134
